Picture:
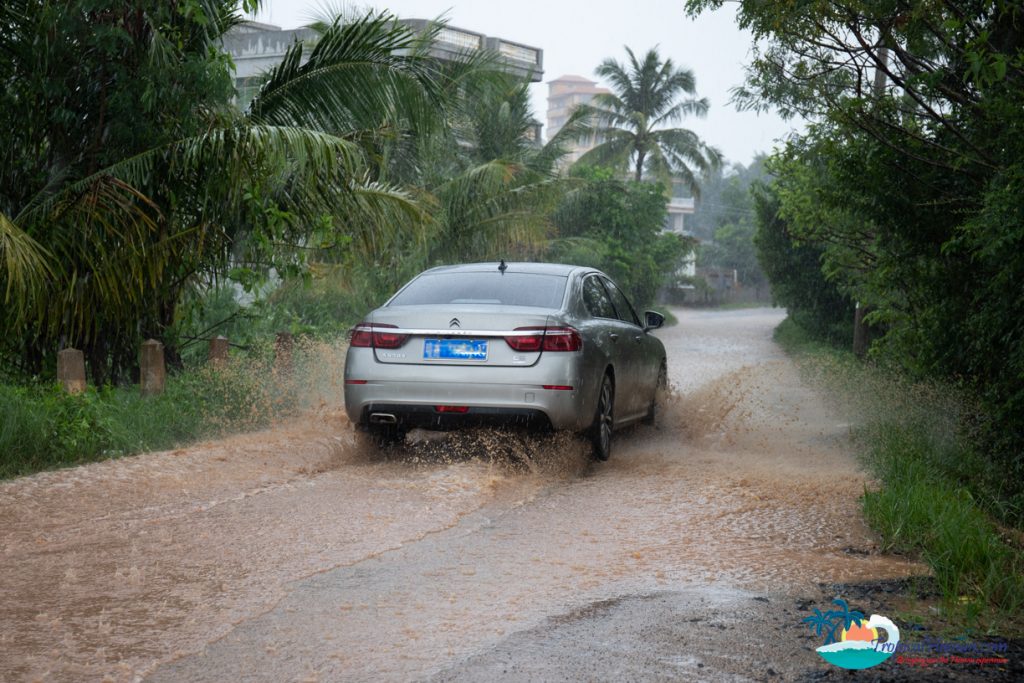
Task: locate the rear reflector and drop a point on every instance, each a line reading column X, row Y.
column 452, row 409
column 355, row 381
column 375, row 335
column 558, row 387
column 546, row 339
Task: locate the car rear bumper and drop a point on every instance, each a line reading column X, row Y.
column 413, row 393
column 405, row 416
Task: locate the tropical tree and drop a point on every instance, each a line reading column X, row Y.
column 632, row 122
column 499, row 205
column 616, row 225
column 907, row 182
column 126, row 173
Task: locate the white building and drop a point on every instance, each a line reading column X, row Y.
column 256, row 48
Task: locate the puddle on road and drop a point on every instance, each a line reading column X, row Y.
column 119, row 566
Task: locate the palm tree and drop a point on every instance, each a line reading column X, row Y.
column 98, row 241
column 632, row 122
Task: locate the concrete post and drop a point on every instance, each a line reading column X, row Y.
column 71, row 370
column 283, row 351
column 152, row 371
column 218, row 350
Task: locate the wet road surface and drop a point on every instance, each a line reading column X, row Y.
column 292, row 555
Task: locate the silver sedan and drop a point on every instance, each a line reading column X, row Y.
column 546, row 345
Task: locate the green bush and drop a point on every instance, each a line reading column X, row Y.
column 616, row 226
column 797, row 281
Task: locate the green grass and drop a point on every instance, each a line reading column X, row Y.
column 920, row 509
column 796, row 341
column 937, row 497
column 42, row 427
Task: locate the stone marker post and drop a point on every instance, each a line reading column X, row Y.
column 218, row 351
column 283, row 351
column 152, row 372
column 71, row 370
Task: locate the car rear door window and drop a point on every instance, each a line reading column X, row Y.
column 622, row 306
column 596, row 299
column 509, row 289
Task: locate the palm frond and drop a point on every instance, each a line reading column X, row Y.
column 682, row 109
column 24, row 263
column 358, row 76
column 494, row 209
column 577, row 126
column 614, row 152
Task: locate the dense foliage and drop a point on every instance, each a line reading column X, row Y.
column 794, row 270
column 616, row 225
column 128, row 177
column 909, row 180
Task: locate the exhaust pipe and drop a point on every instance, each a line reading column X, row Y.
column 383, row 418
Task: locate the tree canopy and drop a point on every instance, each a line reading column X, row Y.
column 908, row 179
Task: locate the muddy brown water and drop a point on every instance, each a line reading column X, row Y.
column 292, row 554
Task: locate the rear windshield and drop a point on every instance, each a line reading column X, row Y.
column 510, row 289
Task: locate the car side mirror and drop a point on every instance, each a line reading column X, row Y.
column 653, row 320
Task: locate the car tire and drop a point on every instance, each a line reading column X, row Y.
column 659, row 391
column 601, row 429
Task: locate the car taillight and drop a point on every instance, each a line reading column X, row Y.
column 546, row 339
column 452, row 409
column 377, row 336
column 530, row 342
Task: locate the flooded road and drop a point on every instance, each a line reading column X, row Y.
column 291, row 555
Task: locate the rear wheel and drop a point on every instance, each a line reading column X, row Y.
column 601, row 430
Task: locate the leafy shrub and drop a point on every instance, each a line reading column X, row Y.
column 616, row 226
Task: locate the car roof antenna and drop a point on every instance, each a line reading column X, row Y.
column 502, row 266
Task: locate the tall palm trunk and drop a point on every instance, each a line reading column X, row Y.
column 639, row 174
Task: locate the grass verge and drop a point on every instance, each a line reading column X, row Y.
column 936, row 497
column 42, row 427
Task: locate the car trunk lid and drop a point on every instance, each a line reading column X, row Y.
column 457, row 335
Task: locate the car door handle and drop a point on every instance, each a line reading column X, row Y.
column 614, row 337
column 638, row 338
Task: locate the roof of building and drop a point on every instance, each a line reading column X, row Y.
column 572, row 78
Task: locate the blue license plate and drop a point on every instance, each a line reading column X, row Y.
column 455, row 349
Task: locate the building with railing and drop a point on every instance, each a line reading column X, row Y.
column 256, row 47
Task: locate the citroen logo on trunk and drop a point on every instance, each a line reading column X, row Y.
column 454, row 322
